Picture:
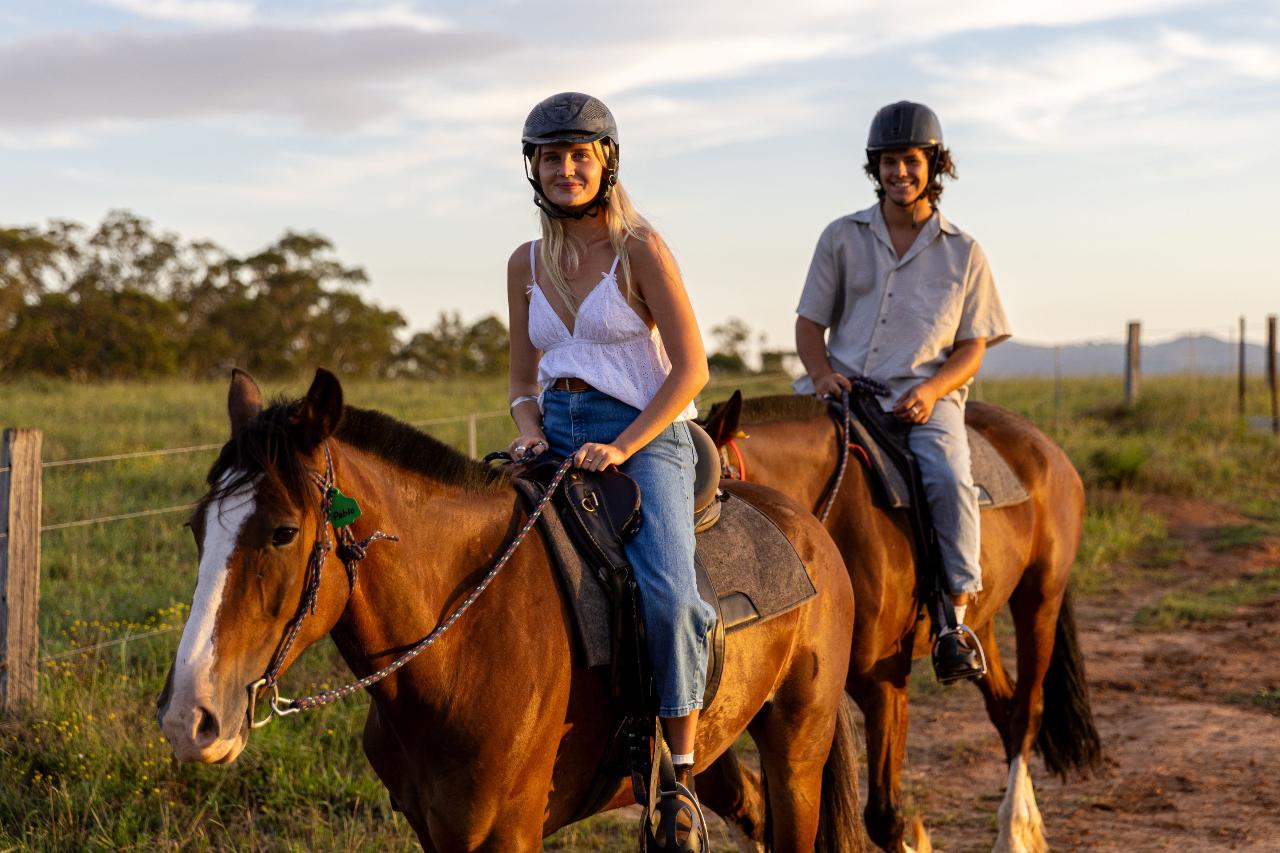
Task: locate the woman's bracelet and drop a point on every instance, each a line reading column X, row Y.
column 523, row 398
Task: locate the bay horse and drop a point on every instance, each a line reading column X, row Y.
column 794, row 445
column 491, row 738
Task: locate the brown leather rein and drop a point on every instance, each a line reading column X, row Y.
column 351, row 553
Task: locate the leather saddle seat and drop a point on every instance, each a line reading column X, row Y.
column 706, row 479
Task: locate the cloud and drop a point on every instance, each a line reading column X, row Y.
column 1257, row 60
column 321, row 77
column 221, row 12
column 1159, row 89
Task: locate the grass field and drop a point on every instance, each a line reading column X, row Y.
column 88, row 768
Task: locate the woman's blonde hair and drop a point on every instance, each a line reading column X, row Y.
column 560, row 256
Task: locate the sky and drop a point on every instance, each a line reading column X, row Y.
column 1116, row 157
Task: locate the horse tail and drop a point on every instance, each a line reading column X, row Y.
column 839, row 818
column 1068, row 739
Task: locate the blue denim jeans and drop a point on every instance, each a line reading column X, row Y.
column 941, row 446
column 677, row 621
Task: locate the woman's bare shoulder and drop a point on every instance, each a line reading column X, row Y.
column 518, row 263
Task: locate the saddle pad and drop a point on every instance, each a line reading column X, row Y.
column 997, row 485
column 746, row 559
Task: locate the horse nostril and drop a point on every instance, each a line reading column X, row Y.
column 206, row 727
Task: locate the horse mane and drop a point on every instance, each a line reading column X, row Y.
column 778, row 407
column 267, row 447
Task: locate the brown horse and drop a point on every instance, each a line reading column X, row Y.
column 794, row 445
column 490, row 739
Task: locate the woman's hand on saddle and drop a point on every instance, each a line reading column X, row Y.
column 917, row 404
column 597, row 457
column 526, row 447
column 831, row 385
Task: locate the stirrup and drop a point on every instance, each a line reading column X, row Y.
column 659, row 831
column 975, row 646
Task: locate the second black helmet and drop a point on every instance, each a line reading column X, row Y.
column 905, row 124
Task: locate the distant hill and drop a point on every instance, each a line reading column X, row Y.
column 1191, row 354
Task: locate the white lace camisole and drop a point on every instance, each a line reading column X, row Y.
column 610, row 346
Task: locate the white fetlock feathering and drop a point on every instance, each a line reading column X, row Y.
column 1021, row 828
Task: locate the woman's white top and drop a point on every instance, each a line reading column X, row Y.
column 610, row 346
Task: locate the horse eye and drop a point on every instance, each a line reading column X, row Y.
column 283, row 536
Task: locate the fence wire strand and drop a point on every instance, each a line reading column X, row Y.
column 84, row 650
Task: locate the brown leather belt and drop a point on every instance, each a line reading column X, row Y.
column 571, row 384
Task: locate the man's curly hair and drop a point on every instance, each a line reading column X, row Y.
column 946, row 168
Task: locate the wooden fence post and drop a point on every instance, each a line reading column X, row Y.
column 1132, row 364
column 1271, row 372
column 19, row 565
column 473, row 448
column 1240, row 385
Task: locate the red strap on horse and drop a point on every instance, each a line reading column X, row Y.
column 862, row 454
column 732, row 444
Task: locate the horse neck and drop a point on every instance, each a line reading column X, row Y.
column 448, row 535
column 800, row 458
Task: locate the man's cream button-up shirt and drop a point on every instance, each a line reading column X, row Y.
column 896, row 319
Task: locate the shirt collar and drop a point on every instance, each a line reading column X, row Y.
column 874, row 217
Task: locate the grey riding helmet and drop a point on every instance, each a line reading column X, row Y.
column 906, row 125
column 575, row 118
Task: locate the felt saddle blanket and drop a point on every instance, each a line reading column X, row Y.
column 746, row 567
column 998, row 486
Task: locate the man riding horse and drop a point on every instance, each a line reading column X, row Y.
column 909, row 300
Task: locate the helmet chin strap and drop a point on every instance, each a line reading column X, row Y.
column 555, row 211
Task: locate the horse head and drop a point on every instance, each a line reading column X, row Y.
column 254, row 530
column 722, row 426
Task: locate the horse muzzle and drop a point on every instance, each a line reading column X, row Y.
column 198, row 731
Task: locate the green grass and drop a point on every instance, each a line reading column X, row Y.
column 1234, row 537
column 1266, row 699
column 86, row 767
column 1219, row 601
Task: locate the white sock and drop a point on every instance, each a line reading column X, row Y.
column 682, row 758
column 960, row 609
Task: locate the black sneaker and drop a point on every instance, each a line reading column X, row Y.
column 957, row 655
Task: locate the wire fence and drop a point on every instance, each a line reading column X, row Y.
column 131, row 636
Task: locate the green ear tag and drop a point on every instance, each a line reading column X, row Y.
column 342, row 509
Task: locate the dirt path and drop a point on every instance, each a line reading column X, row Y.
column 1192, row 739
column 1193, row 758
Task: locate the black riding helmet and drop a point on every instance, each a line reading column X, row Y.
column 906, row 125
column 576, row 118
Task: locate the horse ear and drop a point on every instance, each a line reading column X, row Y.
column 723, row 425
column 316, row 416
column 244, row 400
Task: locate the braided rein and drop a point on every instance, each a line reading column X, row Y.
column 280, row 706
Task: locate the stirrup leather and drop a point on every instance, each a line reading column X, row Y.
column 976, row 646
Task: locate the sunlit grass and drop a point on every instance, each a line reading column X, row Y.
column 87, row 768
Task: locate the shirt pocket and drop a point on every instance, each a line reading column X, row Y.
column 933, row 311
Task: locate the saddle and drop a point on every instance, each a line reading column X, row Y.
column 746, row 569
column 997, row 484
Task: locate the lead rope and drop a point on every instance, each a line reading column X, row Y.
column 281, row 706
column 844, row 456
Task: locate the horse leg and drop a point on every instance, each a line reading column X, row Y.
column 793, row 749
column 382, row 747
column 882, row 696
column 734, row 792
column 1035, row 615
column 996, row 687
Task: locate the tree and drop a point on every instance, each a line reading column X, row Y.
column 451, row 349
column 731, row 344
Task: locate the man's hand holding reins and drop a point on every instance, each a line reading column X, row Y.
column 832, row 385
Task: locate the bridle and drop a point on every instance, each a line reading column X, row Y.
column 351, row 552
